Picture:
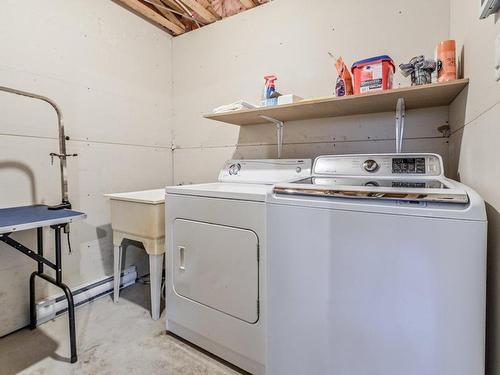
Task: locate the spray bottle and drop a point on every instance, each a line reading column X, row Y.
column 269, row 97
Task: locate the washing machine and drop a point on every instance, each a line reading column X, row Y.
column 216, row 280
column 377, row 265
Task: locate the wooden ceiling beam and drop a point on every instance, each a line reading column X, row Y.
column 167, row 14
column 247, row 3
column 151, row 15
column 200, row 10
column 172, row 4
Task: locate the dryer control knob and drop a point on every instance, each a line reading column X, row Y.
column 370, row 166
column 234, row 169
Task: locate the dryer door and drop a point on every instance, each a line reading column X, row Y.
column 217, row 266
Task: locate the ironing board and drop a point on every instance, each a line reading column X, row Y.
column 17, row 219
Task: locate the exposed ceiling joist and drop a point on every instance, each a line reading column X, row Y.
column 181, row 16
column 168, row 14
column 247, row 3
column 151, row 15
column 200, row 10
column 172, row 4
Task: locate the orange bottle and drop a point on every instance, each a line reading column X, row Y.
column 447, row 61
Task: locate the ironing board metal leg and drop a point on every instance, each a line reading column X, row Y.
column 155, row 271
column 117, row 271
column 57, row 234
column 71, row 320
column 57, row 282
column 39, row 246
column 69, row 296
column 71, row 309
column 32, row 301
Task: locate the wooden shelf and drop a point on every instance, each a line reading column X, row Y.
column 433, row 95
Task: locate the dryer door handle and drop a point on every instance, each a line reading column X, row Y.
column 182, row 258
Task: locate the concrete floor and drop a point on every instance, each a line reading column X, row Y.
column 112, row 339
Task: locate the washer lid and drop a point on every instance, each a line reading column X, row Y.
column 249, row 192
column 424, row 190
column 399, row 177
column 473, row 210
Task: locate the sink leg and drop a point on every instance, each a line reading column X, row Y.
column 155, row 271
column 117, row 271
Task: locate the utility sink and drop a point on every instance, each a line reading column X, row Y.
column 139, row 215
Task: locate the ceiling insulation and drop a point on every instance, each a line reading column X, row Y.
column 180, row 16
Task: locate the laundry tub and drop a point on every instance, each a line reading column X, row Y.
column 140, row 216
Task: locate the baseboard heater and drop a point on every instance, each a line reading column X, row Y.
column 54, row 306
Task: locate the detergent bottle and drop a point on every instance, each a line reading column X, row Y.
column 269, row 96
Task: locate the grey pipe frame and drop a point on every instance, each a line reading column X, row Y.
column 62, row 139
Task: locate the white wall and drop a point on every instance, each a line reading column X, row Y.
column 110, row 71
column 474, row 143
column 227, row 60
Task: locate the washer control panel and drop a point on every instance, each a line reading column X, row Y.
column 408, row 165
column 379, row 165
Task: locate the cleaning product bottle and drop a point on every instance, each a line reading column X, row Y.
column 447, row 61
column 269, row 98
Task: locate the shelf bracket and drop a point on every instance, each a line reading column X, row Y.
column 400, row 124
column 279, row 132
